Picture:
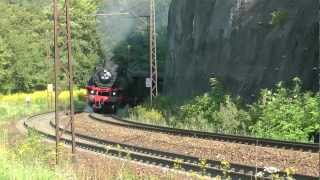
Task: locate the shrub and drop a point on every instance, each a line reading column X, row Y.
column 206, row 104
column 215, row 109
column 166, row 105
column 231, row 118
column 149, row 115
column 286, row 113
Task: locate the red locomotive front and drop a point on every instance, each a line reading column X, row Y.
column 103, row 94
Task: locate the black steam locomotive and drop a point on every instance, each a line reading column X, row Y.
column 111, row 87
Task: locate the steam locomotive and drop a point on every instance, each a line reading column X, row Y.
column 104, row 92
column 111, row 87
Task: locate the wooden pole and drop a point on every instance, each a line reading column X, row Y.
column 56, row 72
column 70, row 69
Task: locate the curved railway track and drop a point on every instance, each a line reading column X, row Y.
column 149, row 156
column 114, row 120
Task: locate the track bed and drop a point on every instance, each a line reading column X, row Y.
column 304, row 162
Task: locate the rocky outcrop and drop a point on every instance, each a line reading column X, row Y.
column 240, row 43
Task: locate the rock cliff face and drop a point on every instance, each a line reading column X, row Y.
column 240, row 43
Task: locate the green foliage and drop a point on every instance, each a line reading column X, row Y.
column 163, row 103
column 26, row 52
column 216, row 109
column 16, row 170
column 225, row 167
column 279, row 18
column 286, row 113
column 149, row 115
column 32, row 151
column 23, row 42
column 231, row 118
column 5, row 56
column 86, row 45
column 29, row 160
column 14, row 106
column 26, row 47
column 167, row 106
column 206, row 104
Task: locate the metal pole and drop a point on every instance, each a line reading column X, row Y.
column 150, row 55
column 70, row 66
column 56, row 59
column 155, row 63
column 319, row 84
column 153, row 52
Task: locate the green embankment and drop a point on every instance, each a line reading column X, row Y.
column 286, row 113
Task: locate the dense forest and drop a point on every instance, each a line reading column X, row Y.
column 26, row 35
column 26, row 40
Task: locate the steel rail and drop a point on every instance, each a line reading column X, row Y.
column 249, row 171
column 154, row 157
column 159, row 158
column 263, row 142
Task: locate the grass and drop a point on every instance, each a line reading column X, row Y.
column 31, row 159
column 16, row 106
column 17, row 170
column 154, row 116
column 28, row 160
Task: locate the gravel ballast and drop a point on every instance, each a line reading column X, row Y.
column 306, row 163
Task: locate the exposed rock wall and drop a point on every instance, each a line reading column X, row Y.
column 235, row 41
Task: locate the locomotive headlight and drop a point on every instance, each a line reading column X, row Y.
column 92, row 92
column 114, row 93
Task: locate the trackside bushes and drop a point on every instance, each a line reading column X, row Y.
column 285, row 112
column 153, row 116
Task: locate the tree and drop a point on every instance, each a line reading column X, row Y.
column 26, row 43
column 5, row 56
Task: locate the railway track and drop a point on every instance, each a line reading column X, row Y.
column 149, row 156
column 114, row 120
